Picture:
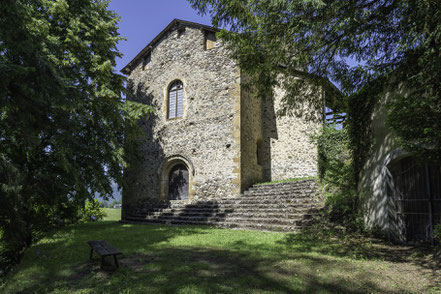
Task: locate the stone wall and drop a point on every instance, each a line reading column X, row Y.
column 374, row 176
column 251, row 137
column 207, row 137
column 287, row 149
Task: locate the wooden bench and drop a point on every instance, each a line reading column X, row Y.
column 103, row 249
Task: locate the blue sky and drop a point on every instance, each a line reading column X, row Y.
column 142, row 20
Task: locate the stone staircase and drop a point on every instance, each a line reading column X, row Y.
column 286, row 207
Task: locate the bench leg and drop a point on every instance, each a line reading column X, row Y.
column 91, row 253
column 116, row 261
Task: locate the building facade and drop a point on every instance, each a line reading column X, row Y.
column 209, row 137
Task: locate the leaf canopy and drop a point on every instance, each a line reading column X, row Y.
column 365, row 46
column 62, row 116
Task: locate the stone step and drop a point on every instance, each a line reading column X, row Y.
column 238, row 220
column 239, row 209
column 258, row 214
column 265, row 202
column 242, row 206
column 288, row 192
column 277, row 192
column 244, row 225
column 246, row 200
column 272, row 197
column 281, row 188
column 285, row 207
column 294, row 184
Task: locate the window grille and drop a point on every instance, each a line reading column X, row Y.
column 417, row 193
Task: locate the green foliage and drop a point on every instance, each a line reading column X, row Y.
column 336, row 175
column 437, row 233
column 63, row 122
column 92, row 211
column 415, row 117
column 319, row 40
column 360, row 108
column 334, row 157
column 437, row 238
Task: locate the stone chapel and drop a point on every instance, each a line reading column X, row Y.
column 208, row 137
column 211, row 140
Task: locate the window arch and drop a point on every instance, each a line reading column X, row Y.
column 175, row 99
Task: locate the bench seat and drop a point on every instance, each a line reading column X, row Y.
column 103, row 249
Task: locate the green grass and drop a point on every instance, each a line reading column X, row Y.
column 113, row 214
column 287, row 180
column 170, row 259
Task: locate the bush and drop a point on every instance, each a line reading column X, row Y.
column 335, row 166
column 334, row 157
column 437, row 233
column 92, row 211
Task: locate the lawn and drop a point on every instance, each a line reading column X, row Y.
column 184, row 259
column 113, row 214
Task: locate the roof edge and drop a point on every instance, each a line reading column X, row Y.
column 126, row 69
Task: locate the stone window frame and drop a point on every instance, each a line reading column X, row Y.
column 167, row 100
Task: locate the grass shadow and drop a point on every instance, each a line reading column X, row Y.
column 202, row 270
column 190, row 259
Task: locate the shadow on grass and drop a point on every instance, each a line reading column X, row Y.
column 357, row 246
column 361, row 247
column 152, row 263
column 199, row 270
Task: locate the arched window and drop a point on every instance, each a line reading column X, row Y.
column 175, row 98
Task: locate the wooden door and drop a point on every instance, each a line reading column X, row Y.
column 178, row 183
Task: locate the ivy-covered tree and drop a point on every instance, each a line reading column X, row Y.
column 359, row 45
column 62, row 117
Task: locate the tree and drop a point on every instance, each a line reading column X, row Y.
column 63, row 122
column 319, row 40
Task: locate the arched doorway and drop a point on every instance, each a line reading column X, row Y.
column 178, row 182
column 176, row 178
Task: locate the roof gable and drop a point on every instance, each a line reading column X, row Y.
column 175, row 24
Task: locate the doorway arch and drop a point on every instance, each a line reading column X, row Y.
column 176, row 179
